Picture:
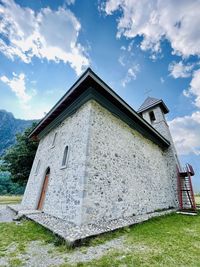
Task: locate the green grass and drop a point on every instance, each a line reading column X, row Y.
column 10, row 200
column 19, row 235
column 197, row 199
column 172, row 240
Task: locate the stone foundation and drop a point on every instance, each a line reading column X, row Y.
column 73, row 234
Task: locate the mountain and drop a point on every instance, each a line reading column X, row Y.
column 9, row 126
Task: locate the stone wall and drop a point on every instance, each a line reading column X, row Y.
column 65, row 188
column 126, row 173
column 112, row 171
column 160, row 124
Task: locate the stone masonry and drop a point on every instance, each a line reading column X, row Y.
column 126, row 174
column 66, row 185
column 112, row 170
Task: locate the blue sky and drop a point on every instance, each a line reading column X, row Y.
column 134, row 46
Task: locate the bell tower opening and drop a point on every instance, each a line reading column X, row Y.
column 152, row 116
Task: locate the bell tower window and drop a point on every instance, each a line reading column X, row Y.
column 152, row 116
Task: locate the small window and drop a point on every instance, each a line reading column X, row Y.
column 54, row 140
column 152, row 116
column 37, row 167
column 64, row 160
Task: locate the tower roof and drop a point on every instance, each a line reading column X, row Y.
column 152, row 102
column 90, row 86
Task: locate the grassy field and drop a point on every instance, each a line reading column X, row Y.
column 10, row 199
column 172, row 240
column 197, row 199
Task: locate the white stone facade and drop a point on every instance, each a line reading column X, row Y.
column 112, row 171
column 64, row 193
column 126, row 173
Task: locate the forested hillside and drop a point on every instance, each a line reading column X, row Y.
column 7, row 186
column 9, row 126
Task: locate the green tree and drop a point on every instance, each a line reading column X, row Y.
column 7, row 186
column 19, row 158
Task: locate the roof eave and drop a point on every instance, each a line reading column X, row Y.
column 101, row 83
column 160, row 102
column 67, row 94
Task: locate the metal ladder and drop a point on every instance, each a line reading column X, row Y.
column 185, row 189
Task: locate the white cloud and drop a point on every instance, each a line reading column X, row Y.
column 130, row 46
column 121, row 60
column 155, row 20
column 162, row 80
column 36, row 111
column 186, row 133
column 70, row 2
column 194, row 88
column 179, row 70
column 48, row 34
column 17, row 85
column 131, row 74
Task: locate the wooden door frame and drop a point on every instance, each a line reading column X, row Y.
column 44, row 187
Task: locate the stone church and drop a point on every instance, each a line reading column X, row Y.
column 99, row 160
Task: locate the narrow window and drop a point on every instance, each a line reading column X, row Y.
column 64, row 160
column 152, row 116
column 37, row 167
column 54, row 140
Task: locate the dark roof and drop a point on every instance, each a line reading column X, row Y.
column 90, row 86
column 152, row 102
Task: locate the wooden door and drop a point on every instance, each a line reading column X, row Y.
column 43, row 192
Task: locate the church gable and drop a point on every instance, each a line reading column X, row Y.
column 90, row 86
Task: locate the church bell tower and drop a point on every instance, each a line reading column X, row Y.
column 153, row 111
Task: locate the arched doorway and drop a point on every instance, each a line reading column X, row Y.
column 44, row 189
